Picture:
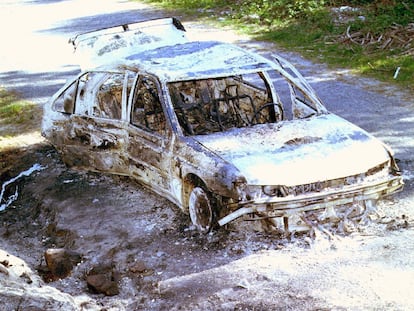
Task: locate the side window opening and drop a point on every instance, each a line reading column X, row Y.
column 147, row 112
column 302, row 106
column 213, row 105
column 295, row 103
column 282, row 87
column 109, row 98
column 296, row 94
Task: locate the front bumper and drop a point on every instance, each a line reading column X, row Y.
column 273, row 207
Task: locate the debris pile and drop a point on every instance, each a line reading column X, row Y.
column 60, row 263
column 103, row 279
column 397, row 37
column 22, row 289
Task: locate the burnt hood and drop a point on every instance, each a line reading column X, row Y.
column 298, row 152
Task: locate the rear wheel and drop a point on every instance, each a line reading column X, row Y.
column 201, row 212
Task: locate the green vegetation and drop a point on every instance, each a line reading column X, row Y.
column 372, row 37
column 17, row 116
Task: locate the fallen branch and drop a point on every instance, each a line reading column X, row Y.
column 13, row 197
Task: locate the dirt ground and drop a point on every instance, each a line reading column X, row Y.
column 161, row 262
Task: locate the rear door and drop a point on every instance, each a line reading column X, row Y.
column 107, row 125
column 94, row 136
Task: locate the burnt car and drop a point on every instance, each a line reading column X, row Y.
column 220, row 131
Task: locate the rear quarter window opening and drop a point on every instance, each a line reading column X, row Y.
column 65, row 103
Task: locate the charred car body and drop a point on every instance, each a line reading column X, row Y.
column 221, row 132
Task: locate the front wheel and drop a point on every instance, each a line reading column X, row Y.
column 201, row 212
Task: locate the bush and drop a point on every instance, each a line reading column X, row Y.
column 308, row 26
column 268, row 12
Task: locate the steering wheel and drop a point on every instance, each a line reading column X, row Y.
column 267, row 117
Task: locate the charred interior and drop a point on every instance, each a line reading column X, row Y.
column 213, row 105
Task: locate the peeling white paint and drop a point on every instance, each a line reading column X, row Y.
column 112, row 45
column 274, row 154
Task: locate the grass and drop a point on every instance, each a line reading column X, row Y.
column 313, row 29
column 17, row 116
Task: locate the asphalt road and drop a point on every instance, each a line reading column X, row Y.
column 36, row 59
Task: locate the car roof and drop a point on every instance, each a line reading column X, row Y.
column 161, row 47
column 107, row 46
column 197, row 59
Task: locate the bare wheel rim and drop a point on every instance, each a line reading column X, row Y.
column 201, row 213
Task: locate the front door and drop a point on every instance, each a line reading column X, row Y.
column 149, row 136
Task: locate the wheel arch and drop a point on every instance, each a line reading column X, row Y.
column 190, row 182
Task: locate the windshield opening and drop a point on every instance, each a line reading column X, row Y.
column 214, row 105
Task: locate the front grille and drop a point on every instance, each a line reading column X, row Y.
column 376, row 173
